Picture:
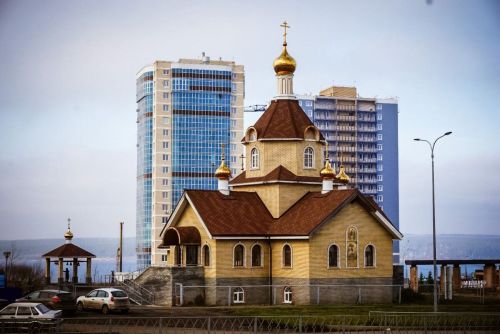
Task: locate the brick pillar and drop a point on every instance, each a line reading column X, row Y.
column 88, row 274
column 490, row 276
column 414, row 278
column 47, row 270
column 74, row 279
column 457, row 279
column 60, row 277
column 442, row 275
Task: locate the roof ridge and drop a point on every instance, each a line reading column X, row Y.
column 294, row 119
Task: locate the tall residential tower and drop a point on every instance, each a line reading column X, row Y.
column 186, row 110
column 363, row 133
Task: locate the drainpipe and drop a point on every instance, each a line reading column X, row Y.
column 270, row 271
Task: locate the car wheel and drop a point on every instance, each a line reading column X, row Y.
column 35, row 327
column 105, row 309
column 79, row 307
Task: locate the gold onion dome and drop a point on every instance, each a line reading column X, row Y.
column 342, row 176
column 284, row 64
column 223, row 172
column 68, row 235
column 327, row 172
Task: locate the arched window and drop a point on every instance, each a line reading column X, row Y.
column 256, row 256
column 369, row 256
column 239, row 256
column 206, row 256
column 287, row 295
column 238, row 295
column 254, row 158
column 308, row 157
column 287, row 256
column 333, row 256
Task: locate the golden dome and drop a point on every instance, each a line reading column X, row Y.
column 342, row 176
column 327, row 172
column 68, row 235
column 223, row 172
column 284, row 64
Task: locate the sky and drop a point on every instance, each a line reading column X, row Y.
column 68, row 109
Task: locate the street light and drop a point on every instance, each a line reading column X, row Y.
column 434, row 216
column 7, row 255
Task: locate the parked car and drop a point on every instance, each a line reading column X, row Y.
column 33, row 317
column 53, row 299
column 105, row 300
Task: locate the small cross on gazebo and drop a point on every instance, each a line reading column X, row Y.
column 68, row 253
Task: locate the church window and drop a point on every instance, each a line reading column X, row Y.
column 254, row 158
column 370, row 256
column 239, row 256
column 206, row 256
column 287, row 256
column 333, row 256
column 238, row 295
column 256, row 256
column 308, row 157
column 287, row 295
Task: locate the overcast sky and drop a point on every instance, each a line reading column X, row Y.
column 67, row 96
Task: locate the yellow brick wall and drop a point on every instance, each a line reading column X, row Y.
column 289, row 154
column 279, row 197
column 370, row 231
column 300, row 259
column 225, row 267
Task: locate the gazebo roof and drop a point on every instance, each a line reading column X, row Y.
column 68, row 250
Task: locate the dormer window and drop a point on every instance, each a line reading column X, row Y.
column 254, row 158
column 309, row 157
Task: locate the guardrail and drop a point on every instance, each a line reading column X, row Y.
column 375, row 322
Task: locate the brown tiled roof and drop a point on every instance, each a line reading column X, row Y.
column 283, row 119
column 280, row 173
column 68, row 250
column 244, row 214
column 239, row 213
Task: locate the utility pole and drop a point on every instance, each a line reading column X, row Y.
column 120, row 267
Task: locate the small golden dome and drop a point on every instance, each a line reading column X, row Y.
column 223, row 172
column 284, row 64
column 68, row 235
column 342, row 176
column 327, row 172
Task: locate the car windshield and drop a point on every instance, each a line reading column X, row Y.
column 42, row 308
column 119, row 293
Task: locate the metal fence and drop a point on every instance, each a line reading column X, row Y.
column 376, row 322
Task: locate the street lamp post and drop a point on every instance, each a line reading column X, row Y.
column 434, row 216
column 7, row 255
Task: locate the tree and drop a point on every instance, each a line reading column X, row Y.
column 421, row 279
column 430, row 279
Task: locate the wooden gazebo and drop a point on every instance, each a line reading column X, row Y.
column 68, row 253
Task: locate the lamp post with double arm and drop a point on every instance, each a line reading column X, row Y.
column 434, row 216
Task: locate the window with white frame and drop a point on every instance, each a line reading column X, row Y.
column 165, row 83
column 164, row 182
column 379, row 136
column 238, row 295
column 165, row 95
column 287, row 295
column 379, row 117
column 165, row 72
column 379, row 147
column 309, row 103
column 164, row 258
column 254, row 158
column 380, row 157
column 379, row 126
column 165, row 120
column 165, row 157
column 164, row 194
column 164, row 220
column 165, row 144
column 379, row 107
column 164, row 170
column 380, row 187
column 308, row 157
column 380, row 167
column 164, row 207
column 165, row 132
column 380, row 178
column 380, row 198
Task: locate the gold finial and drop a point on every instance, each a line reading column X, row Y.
column 223, row 172
column 327, row 172
column 284, row 64
column 342, row 176
column 285, row 26
column 68, row 235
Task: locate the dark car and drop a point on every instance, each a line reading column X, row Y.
column 54, row 299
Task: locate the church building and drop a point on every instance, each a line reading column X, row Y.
column 288, row 229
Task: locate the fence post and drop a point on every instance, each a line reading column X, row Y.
column 208, row 325
column 159, row 326
column 300, row 325
column 359, row 295
column 228, row 296
column 400, row 294
column 317, row 295
column 255, row 325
